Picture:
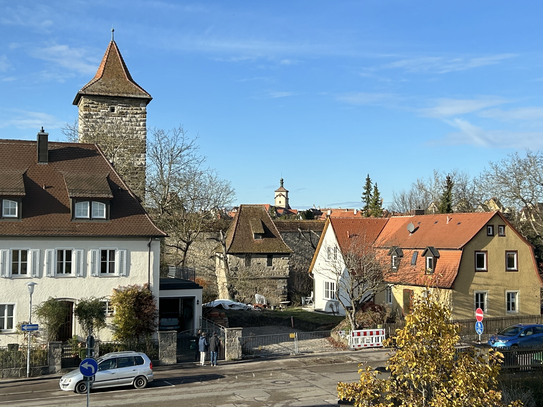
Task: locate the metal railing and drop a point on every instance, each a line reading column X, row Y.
column 286, row 343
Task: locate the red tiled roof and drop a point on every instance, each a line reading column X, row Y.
column 113, row 79
column 357, row 232
column 451, row 231
column 46, row 206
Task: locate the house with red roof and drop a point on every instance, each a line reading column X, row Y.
column 70, row 224
column 473, row 260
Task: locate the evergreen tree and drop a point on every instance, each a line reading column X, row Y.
column 445, row 204
column 367, row 196
column 376, row 206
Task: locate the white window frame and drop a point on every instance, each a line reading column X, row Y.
column 32, row 263
column 82, row 210
column 51, row 262
column 389, row 298
column 120, row 262
column 98, row 210
column 7, row 208
column 395, row 262
column 430, row 263
column 477, row 304
column 109, row 310
column 512, row 307
column 6, row 317
column 329, row 290
column 515, row 256
column 485, row 256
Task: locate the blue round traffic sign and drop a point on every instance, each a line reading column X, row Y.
column 479, row 327
column 88, row 367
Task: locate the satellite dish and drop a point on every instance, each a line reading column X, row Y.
column 411, row 227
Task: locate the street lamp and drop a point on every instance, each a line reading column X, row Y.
column 30, row 287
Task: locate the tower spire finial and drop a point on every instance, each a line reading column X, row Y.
column 112, row 34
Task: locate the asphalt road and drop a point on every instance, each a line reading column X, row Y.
column 301, row 381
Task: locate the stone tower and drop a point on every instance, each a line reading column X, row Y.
column 113, row 114
column 281, row 197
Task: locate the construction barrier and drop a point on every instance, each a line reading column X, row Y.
column 366, row 338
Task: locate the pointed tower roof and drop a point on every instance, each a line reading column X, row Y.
column 113, row 79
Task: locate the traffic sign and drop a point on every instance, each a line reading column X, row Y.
column 479, row 315
column 479, row 327
column 88, row 367
column 29, row 327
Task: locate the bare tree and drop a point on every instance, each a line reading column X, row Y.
column 359, row 274
column 183, row 197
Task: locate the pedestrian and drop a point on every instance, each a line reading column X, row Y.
column 214, row 346
column 202, row 347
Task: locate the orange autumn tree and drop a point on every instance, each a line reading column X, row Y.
column 426, row 369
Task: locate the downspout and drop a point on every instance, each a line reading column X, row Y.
column 149, row 263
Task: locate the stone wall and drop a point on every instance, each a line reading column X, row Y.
column 119, row 126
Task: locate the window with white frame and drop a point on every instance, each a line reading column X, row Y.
column 480, row 300
column 64, row 261
column 395, row 262
column 511, row 261
column 511, row 302
column 329, row 290
column 7, row 316
column 108, row 308
column 430, row 264
column 90, row 210
column 109, row 262
column 480, row 261
column 19, row 262
column 501, row 230
column 490, row 230
column 388, row 295
column 10, row 208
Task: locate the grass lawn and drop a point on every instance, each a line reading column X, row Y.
column 303, row 320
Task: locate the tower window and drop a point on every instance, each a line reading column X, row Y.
column 112, row 109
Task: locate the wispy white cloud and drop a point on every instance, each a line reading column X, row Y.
column 441, row 65
column 29, row 120
column 470, row 134
column 279, row 94
column 4, row 63
column 363, row 98
column 72, row 59
column 34, row 16
column 453, row 107
column 522, row 113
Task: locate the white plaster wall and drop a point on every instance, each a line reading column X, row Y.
column 326, row 270
column 13, row 290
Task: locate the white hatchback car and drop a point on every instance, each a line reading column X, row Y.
column 114, row 369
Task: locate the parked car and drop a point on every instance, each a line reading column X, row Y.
column 518, row 335
column 114, row 369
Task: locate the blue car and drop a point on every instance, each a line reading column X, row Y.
column 518, row 335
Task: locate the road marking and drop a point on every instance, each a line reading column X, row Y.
column 167, row 382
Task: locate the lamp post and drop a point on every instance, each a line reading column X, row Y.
column 30, row 287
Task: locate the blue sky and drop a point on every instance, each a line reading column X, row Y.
column 320, row 93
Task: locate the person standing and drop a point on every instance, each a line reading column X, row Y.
column 202, row 347
column 214, row 346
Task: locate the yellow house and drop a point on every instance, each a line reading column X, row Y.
column 472, row 260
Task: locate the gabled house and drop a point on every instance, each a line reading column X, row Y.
column 70, row 224
column 340, row 239
column 254, row 258
column 474, row 260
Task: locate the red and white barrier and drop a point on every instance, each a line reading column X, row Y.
column 366, row 338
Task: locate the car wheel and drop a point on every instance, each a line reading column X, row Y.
column 140, row 382
column 81, row 388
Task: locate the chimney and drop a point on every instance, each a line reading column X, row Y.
column 417, row 212
column 43, row 147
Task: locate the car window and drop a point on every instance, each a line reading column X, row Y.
column 538, row 329
column 108, row 364
column 125, row 361
column 139, row 360
column 510, row 331
column 527, row 332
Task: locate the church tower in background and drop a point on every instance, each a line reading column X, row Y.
column 113, row 114
column 281, row 196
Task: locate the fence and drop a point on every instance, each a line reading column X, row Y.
column 522, row 359
column 286, row 343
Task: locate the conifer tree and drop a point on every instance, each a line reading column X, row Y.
column 376, row 208
column 367, row 196
column 445, row 204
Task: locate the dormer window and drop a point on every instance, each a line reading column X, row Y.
column 431, row 254
column 90, row 210
column 10, row 208
column 395, row 255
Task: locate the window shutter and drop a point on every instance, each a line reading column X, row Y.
column 121, row 263
column 78, row 260
column 50, row 262
column 4, row 263
column 95, row 262
column 34, row 262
